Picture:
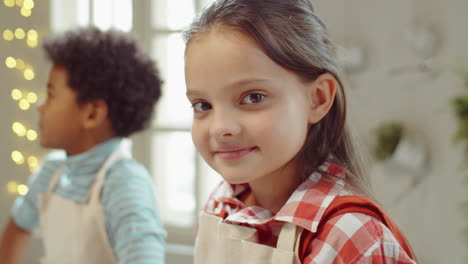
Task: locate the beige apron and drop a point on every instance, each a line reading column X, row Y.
column 75, row 233
column 219, row 242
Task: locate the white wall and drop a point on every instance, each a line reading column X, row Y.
column 429, row 214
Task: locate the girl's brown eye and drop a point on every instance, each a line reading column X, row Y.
column 201, row 106
column 253, row 98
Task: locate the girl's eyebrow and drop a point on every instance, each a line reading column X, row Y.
column 192, row 94
column 236, row 83
column 247, row 81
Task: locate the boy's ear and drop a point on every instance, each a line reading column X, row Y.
column 95, row 113
column 322, row 95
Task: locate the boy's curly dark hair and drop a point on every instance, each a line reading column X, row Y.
column 109, row 65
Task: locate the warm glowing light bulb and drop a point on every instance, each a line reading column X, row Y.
column 20, row 64
column 31, row 97
column 19, row 3
column 12, row 187
column 24, row 104
column 19, row 129
column 31, row 135
column 22, row 189
column 32, row 43
column 19, row 33
column 33, row 164
column 32, row 34
column 17, row 157
column 10, row 62
column 28, row 74
column 25, row 12
column 16, row 94
column 8, row 35
column 9, row 3
column 29, row 4
column 33, row 161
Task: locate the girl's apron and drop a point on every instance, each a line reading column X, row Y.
column 75, row 233
column 218, row 242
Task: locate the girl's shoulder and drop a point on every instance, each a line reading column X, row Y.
column 353, row 238
column 354, row 228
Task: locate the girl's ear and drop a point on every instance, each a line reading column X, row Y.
column 322, row 95
column 94, row 113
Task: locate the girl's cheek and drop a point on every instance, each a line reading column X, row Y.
column 264, row 124
column 199, row 135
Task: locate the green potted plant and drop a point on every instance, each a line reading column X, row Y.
column 460, row 107
column 388, row 136
column 400, row 151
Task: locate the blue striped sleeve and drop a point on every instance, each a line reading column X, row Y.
column 131, row 214
column 25, row 211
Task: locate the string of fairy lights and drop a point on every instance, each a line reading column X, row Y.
column 24, row 98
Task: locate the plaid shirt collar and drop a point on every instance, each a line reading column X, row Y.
column 304, row 208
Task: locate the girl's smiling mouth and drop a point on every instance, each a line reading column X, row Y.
column 233, row 152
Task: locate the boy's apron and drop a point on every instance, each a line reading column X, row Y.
column 75, row 233
column 218, row 242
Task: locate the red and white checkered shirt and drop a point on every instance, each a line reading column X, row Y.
column 346, row 238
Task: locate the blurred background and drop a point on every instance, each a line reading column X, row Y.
column 404, row 62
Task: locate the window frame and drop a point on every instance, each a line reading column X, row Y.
column 145, row 32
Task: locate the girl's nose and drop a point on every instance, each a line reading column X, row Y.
column 225, row 125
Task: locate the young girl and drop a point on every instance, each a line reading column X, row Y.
column 270, row 117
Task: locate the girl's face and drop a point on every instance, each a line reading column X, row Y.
column 251, row 116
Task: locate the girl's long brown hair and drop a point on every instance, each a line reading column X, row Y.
column 292, row 35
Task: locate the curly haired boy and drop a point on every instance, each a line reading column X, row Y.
column 93, row 202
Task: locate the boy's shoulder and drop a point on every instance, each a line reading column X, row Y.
column 127, row 180
column 52, row 161
column 128, row 169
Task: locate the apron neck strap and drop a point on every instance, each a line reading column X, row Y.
column 287, row 237
column 55, row 179
column 121, row 152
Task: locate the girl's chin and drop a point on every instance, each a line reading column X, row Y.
column 234, row 179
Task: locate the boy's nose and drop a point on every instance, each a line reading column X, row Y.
column 39, row 106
